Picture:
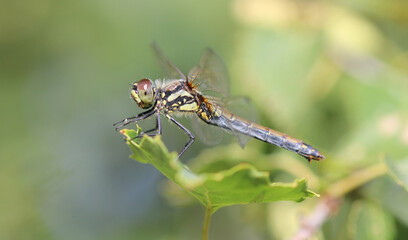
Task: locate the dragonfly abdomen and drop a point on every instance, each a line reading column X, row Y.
column 268, row 135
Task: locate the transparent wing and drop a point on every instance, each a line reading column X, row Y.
column 210, row 76
column 208, row 134
column 169, row 69
column 240, row 107
column 243, row 108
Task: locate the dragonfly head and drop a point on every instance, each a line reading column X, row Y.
column 143, row 93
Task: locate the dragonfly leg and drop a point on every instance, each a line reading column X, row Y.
column 158, row 129
column 191, row 136
column 130, row 120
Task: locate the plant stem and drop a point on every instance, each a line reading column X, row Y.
column 206, row 226
column 331, row 202
column 357, row 179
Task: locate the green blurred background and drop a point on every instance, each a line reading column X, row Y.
column 333, row 73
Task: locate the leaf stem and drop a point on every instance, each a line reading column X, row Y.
column 206, row 226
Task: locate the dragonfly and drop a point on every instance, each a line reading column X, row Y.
column 203, row 94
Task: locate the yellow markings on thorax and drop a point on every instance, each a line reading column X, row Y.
column 189, row 107
column 173, row 96
column 181, row 106
column 204, row 116
column 181, row 93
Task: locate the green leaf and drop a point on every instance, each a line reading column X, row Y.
column 239, row 184
column 398, row 170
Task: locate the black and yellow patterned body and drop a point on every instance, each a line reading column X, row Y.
column 179, row 97
column 181, row 94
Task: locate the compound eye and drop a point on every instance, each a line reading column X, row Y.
column 144, row 94
column 144, row 86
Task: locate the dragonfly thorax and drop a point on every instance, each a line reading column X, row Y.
column 203, row 92
column 177, row 96
column 143, row 93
